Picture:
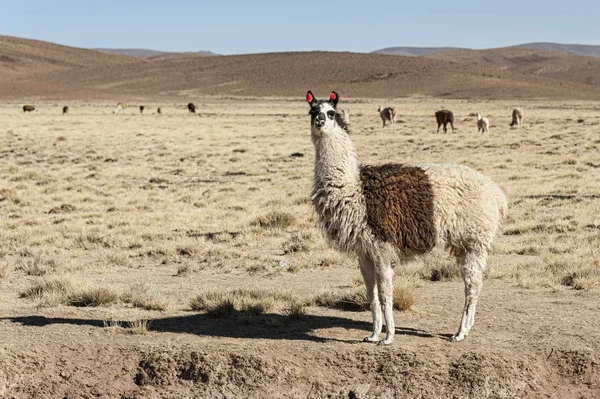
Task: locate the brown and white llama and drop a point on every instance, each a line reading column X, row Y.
column 387, row 114
column 345, row 114
column 28, row 108
column 517, row 118
column 191, row 108
column 159, row 111
column 120, row 108
column 443, row 117
column 396, row 212
column 65, row 109
column 142, row 108
column 483, row 124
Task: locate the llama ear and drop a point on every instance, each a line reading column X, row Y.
column 310, row 99
column 333, row 98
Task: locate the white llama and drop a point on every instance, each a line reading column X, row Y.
column 483, row 124
column 387, row 114
column 119, row 109
column 394, row 212
column 517, row 118
column 345, row 114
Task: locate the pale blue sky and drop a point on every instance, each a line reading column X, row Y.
column 236, row 26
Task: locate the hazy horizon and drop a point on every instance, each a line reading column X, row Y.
column 238, row 27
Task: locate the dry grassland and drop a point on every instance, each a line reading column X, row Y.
column 156, row 215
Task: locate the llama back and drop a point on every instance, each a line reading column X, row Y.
column 469, row 206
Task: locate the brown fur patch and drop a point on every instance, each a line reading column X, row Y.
column 400, row 205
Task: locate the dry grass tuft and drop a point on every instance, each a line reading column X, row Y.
column 50, row 291
column 275, row 220
column 404, row 294
column 144, row 296
column 296, row 310
column 4, row 270
column 353, row 300
column 298, row 242
column 221, row 304
column 138, row 327
column 90, row 297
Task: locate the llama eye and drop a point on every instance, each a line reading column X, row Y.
column 330, row 114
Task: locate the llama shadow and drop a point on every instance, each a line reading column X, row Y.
column 240, row 324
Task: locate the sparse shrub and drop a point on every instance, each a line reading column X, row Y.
column 100, row 296
column 354, row 300
column 298, row 242
column 52, row 291
column 272, row 220
column 296, row 310
column 138, row 327
column 221, row 309
column 144, row 296
column 404, row 294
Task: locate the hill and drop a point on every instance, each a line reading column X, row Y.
column 551, row 64
column 25, row 56
column 43, row 70
column 578, row 49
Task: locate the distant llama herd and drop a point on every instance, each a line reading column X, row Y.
column 387, row 114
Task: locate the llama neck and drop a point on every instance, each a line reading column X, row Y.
column 336, row 162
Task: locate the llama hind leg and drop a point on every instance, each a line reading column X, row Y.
column 472, row 266
column 384, row 275
column 367, row 269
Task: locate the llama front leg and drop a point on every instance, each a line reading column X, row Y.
column 384, row 275
column 367, row 269
column 472, row 266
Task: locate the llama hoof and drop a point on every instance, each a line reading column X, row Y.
column 370, row 339
column 385, row 342
column 458, row 337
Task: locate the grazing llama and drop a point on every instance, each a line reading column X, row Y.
column 28, row 108
column 191, row 108
column 159, row 111
column 119, row 109
column 517, row 118
column 388, row 114
column 65, row 109
column 483, row 124
column 142, row 108
column 395, row 212
column 443, row 117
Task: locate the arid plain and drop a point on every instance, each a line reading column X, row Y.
column 115, row 227
column 178, row 255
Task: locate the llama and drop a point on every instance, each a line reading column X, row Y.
column 191, row 108
column 443, row 117
column 159, row 111
column 65, row 109
column 517, row 118
column 395, row 212
column 483, row 124
column 120, row 108
column 28, row 108
column 388, row 114
column 142, row 108
column 345, row 115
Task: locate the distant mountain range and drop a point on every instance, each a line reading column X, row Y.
column 147, row 53
column 577, row 49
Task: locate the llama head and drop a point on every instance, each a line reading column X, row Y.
column 322, row 114
column 380, row 109
column 478, row 116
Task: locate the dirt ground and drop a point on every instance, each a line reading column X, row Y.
column 112, row 224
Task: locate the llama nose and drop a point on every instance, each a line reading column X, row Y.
column 320, row 120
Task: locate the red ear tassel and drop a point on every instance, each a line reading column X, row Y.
column 309, row 97
column 332, row 96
